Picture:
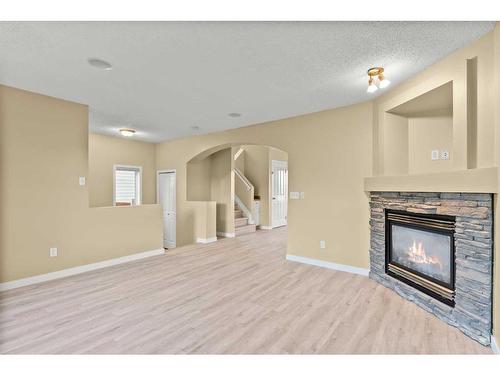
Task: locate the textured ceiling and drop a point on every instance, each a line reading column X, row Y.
column 170, row 76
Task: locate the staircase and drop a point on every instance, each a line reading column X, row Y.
column 241, row 225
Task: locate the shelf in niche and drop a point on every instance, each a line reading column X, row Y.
column 436, row 102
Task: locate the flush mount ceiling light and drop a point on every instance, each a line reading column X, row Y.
column 99, row 64
column 234, row 114
column 127, row 132
column 376, row 79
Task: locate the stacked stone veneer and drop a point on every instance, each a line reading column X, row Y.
column 473, row 253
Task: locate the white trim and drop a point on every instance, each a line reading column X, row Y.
column 265, row 227
column 330, row 265
column 244, row 208
column 238, row 153
column 282, row 164
column 158, row 172
column 224, row 234
column 139, row 168
column 77, row 270
column 494, row 345
column 206, row 240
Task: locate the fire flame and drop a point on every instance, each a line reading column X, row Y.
column 417, row 254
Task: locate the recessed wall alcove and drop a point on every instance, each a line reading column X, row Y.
column 438, row 112
column 413, row 129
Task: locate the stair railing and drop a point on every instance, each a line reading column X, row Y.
column 242, row 177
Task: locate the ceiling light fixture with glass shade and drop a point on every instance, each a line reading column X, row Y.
column 376, row 79
column 127, row 132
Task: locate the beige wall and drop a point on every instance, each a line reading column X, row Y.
column 104, row 152
column 275, row 154
column 329, row 155
column 222, row 190
column 396, row 140
column 257, row 172
column 43, row 151
column 452, row 68
column 426, row 134
column 198, row 177
column 204, row 219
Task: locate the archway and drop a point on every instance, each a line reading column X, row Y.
column 234, row 184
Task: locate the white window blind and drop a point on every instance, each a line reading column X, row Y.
column 127, row 185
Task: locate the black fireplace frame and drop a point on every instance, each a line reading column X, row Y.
column 448, row 232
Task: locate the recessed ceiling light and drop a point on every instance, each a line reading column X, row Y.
column 127, row 132
column 100, row 64
column 234, row 114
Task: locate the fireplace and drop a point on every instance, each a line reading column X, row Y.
column 420, row 251
column 436, row 250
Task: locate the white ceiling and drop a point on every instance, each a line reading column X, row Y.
column 170, row 76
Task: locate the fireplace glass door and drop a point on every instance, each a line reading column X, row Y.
column 426, row 252
column 420, row 251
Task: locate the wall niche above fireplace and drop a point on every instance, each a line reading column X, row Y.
column 435, row 249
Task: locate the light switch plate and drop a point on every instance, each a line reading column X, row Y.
column 322, row 244
column 445, row 155
column 435, row 155
column 81, row 181
column 294, row 195
column 302, row 195
column 53, row 251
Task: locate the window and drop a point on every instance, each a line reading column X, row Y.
column 127, row 185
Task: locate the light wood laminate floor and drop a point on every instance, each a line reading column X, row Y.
column 237, row 295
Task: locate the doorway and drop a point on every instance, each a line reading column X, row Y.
column 279, row 190
column 166, row 193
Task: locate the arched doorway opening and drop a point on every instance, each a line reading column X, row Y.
column 237, row 189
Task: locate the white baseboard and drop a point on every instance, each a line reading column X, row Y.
column 224, row 234
column 330, row 265
column 206, row 240
column 265, row 227
column 77, row 270
column 494, row 346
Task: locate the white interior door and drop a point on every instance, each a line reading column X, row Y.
column 279, row 189
column 166, row 197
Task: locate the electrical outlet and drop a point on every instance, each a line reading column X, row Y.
column 81, row 181
column 322, row 244
column 445, row 155
column 435, row 155
column 53, row 251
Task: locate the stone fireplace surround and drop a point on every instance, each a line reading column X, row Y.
column 472, row 313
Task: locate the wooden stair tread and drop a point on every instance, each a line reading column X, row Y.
column 240, row 221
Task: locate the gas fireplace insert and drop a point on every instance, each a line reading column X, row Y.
column 420, row 251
